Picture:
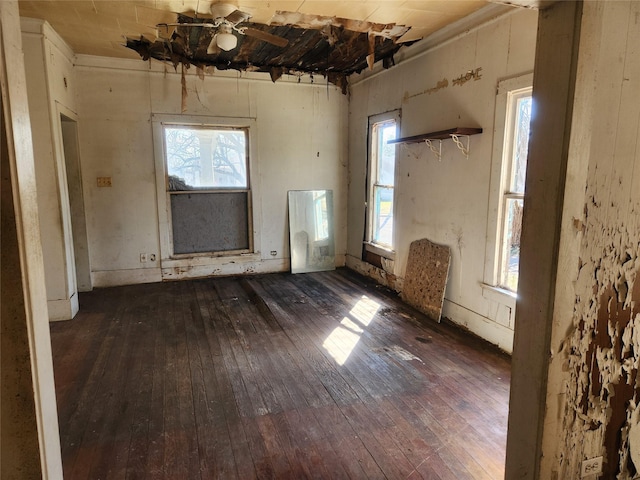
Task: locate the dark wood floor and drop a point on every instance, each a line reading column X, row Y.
column 277, row 376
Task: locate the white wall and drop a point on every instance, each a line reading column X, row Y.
column 445, row 201
column 51, row 85
column 300, row 143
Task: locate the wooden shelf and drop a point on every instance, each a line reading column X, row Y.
column 441, row 135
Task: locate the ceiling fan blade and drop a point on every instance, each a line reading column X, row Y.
column 209, row 25
column 237, row 16
column 265, row 37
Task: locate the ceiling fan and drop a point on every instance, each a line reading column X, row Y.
column 226, row 18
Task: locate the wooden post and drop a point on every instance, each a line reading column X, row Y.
column 553, row 88
column 30, row 442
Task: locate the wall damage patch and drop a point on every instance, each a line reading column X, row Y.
column 444, row 83
column 470, row 75
column 602, row 391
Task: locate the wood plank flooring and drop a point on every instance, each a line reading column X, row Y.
column 320, row 375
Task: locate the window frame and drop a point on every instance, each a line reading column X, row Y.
column 207, row 190
column 386, row 251
column 513, row 97
column 163, row 196
column 504, row 123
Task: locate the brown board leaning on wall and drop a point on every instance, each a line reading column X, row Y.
column 426, row 277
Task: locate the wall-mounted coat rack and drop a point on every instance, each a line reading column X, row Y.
column 453, row 133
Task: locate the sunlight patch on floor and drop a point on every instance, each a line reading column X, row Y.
column 343, row 339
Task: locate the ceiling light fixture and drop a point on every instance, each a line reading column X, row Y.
column 224, row 39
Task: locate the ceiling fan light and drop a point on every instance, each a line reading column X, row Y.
column 226, row 41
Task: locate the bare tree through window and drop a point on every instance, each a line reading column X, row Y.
column 206, row 158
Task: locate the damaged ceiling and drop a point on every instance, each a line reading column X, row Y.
column 333, row 48
column 319, row 37
column 98, row 27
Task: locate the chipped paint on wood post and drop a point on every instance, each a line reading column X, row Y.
column 601, row 351
column 595, row 350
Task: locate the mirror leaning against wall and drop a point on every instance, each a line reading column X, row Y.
column 311, row 230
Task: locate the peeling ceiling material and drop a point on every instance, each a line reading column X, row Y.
column 329, row 49
column 319, row 22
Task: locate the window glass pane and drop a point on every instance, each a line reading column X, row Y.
column 383, row 218
column 206, row 158
column 521, row 143
column 511, row 254
column 386, row 153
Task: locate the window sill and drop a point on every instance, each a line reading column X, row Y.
column 500, row 295
column 378, row 250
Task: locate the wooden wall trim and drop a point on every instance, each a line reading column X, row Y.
column 553, row 88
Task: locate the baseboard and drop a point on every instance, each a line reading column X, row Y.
column 226, row 269
column 381, row 276
column 483, row 327
column 114, row 278
column 197, row 269
column 64, row 309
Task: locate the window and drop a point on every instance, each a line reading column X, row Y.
column 382, row 163
column 519, row 118
column 208, row 188
column 206, row 158
column 506, row 195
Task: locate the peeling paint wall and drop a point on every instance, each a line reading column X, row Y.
column 593, row 387
column 446, row 201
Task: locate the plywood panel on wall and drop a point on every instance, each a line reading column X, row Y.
column 426, row 277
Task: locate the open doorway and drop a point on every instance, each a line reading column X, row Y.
column 69, row 129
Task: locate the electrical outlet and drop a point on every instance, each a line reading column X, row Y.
column 152, row 257
column 274, row 253
column 592, row 466
column 143, row 257
column 104, row 181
